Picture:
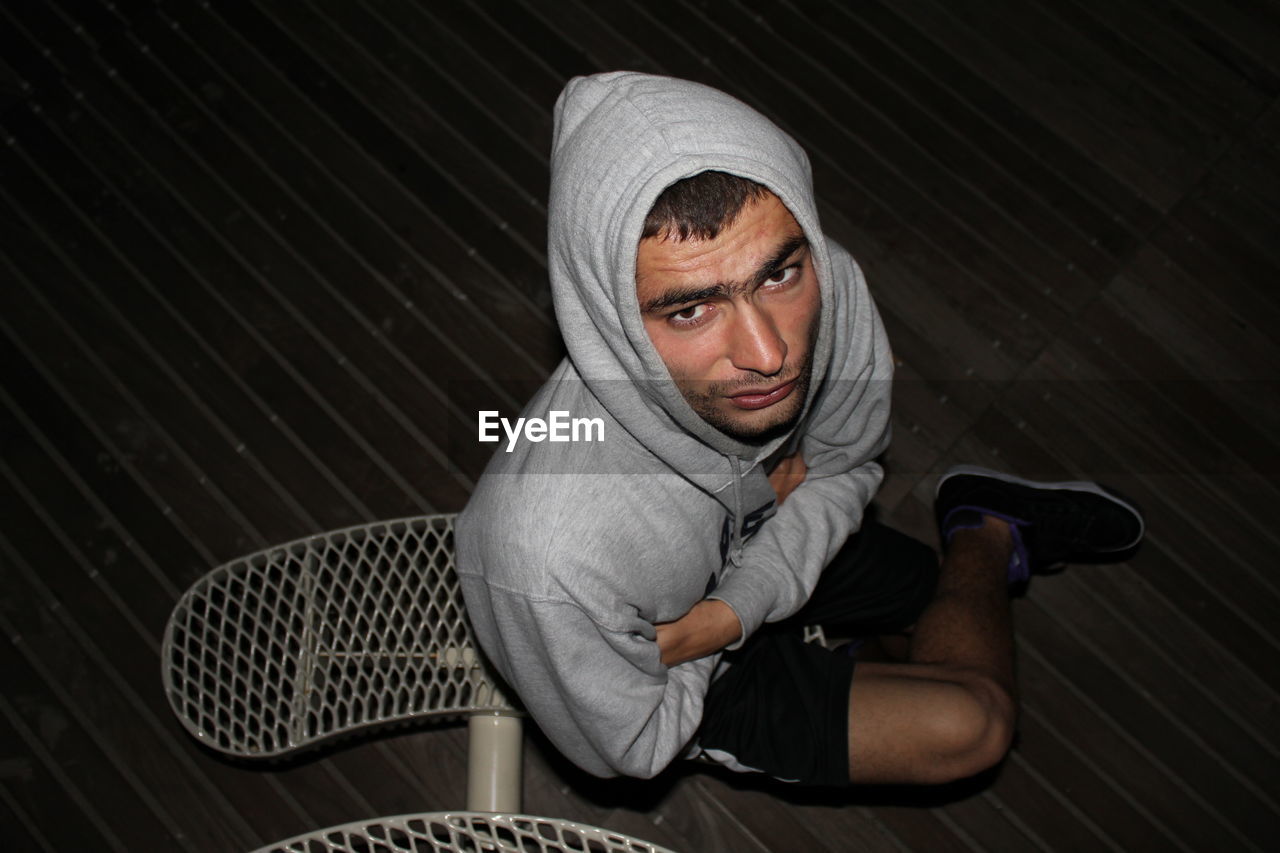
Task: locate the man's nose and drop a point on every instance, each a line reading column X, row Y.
column 757, row 345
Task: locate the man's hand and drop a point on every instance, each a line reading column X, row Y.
column 790, row 473
column 707, row 628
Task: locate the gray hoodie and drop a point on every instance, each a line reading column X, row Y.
column 569, row 553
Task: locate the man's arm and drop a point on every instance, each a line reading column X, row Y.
column 598, row 691
column 710, row 625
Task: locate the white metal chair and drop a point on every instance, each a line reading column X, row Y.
column 347, row 630
column 455, row 831
column 335, row 633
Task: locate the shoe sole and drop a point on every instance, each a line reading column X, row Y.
column 1086, row 486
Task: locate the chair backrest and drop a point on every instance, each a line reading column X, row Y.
column 438, row 832
column 319, row 637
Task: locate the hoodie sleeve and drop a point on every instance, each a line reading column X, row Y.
column 849, row 429
column 601, row 694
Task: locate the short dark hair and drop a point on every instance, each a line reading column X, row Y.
column 700, row 206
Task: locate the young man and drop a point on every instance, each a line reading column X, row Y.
column 644, row 594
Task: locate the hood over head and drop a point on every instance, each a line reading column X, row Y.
column 620, row 139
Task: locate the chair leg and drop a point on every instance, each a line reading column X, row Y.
column 494, row 762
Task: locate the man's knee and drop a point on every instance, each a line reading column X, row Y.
column 972, row 731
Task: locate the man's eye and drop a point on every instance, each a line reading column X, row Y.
column 783, row 276
column 689, row 315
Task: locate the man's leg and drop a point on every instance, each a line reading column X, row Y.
column 949, row 711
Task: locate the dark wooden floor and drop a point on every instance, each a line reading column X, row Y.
column 262, row 262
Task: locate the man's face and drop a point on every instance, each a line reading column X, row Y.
column 735, row 319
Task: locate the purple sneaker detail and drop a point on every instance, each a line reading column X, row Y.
column 970, row 518
column 1052, row 522
column 1019, row 560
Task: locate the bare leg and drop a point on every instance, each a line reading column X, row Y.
column 948, row 711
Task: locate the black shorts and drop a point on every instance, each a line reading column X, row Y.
column 782, row 707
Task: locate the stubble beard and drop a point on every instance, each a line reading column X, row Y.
column 706, row 403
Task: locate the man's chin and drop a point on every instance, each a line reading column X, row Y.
column 759, row 427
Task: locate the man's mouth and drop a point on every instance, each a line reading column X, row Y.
column 764, row 397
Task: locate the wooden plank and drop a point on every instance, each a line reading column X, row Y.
column 1235, row 805
column 221, row 389
column 1146, row 357
column 1243, row 40
column 415, row 170
column 960, row 91
column 495, row 171
column 897, row 80
column 554, row 786
column 1079, row 721
column 1240, row 261
column 700, row 822
column 34, row 664
column 33, row 466
column 97, row 693
column 375, row 357
column 1200, row 655
column 97, row 465
column 29, row 59
column 1191, row 71
column 275, row 318
column 1242, row 291
column 157, row 412
column 56, row 804
column 1226, row 108
column 843, row 820
column 922, row 829
column 333, row 315
column 1251, row 163
column 1035, row 800
column 362, row 204
column 605, row 48
column 16, row 826
column 760, row 809
column 515, row 24
column 1174, row 141
column 1040, row 98
column 1105, row 798
column 87, row 603
column 1131, row 647
column 172, row 475
column 536, row 66
column 1246, row 215
column 435, row 97
column 1216, row 341
column 529, row 119
column 955, row 174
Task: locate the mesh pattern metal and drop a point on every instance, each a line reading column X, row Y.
column 463, row 831
column 325, row 635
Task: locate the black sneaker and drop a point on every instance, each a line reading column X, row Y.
column 1052, row 523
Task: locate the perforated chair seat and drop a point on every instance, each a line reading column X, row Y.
column 437, row 832
column 324, row 636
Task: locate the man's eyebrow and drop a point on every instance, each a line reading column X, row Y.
column 785, row 251
column 701, row 294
